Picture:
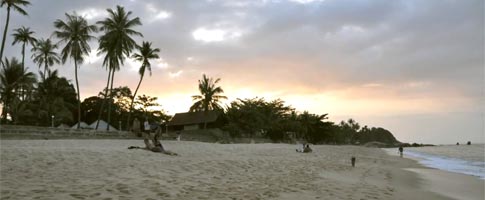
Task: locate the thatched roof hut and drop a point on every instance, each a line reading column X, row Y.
column 193, row 120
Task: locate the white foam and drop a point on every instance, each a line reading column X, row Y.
column 473, row 168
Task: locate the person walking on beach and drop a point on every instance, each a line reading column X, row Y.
column 400, row 151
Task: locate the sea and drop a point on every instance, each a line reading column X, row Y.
column 464, row 159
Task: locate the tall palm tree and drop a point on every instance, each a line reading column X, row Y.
column 16, row 5
column 146, row 53
column 12, row 77
column 75, row 32
column 209, row 98
column 116, row 42
column 44, row 54
column 23, row 35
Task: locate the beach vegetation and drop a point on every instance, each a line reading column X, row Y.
column 75, row 33
column 44, row 54
column 144, row 55
column 13, row 77
column 16, row 5
column 117, row 43
column 25, row 36
column 210, row 95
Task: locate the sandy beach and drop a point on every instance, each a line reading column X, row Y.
column 106, row 169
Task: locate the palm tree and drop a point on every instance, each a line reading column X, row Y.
column 75, row 32
column 24, row 35
column 12, row 77
column 145, row 54
column 210, row 96
column 44, row 54
column 117, row 43
column 16, row 5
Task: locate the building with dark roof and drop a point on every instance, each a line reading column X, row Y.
column 194, row 120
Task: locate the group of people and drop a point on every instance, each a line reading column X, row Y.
column 305, row 149
column 151, row 139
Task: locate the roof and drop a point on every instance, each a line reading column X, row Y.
column 193, row 118
column 82, row 125
column 102, row 125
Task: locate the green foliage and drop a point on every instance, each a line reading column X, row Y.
column 146, row 53
column 23, row 35
column 209, row 98
column 44, row 54
column 13, row 78
column 145, row 107
column 116, row 42
column 272, row 119
column 256, row 117
column 55, row 96
column 16, row 5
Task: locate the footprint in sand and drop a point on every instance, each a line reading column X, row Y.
column 78, row 196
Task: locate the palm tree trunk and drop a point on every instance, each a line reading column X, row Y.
column 5, row 34
column 23, row 56
column 104, row 100
column 110, row 98
column 78, row 96
column 45, row 69
column 21, row 93
column 133, row 100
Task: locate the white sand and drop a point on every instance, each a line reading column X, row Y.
column 106, row 169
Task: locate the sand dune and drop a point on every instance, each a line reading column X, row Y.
column 106, row 169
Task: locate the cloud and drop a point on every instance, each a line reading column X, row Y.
column 175, row 74
column 336, row 56
column 156, row 14
column 92, row 13
column 214, row 35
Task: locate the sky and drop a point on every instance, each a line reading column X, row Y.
column 413, row 67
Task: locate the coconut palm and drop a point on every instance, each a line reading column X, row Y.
column 44, row 54
column 23, row 35
column 16, row 5
column 210, row 95
column 116, row 42
column 75, row 32
column 13, row 77
column 146, row 53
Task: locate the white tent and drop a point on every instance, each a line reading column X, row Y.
column 65, row 126
column 102, row 126
column 82, row 125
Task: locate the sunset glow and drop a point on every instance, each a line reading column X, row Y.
column 392, row 64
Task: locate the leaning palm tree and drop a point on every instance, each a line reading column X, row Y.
column 13, row 77
column 75, row 32
column 146, row 53
column 23, row 35
column 16, row 5
column 116, row 43
column 44, row 54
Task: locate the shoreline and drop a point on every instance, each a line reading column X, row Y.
column 450, row 184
